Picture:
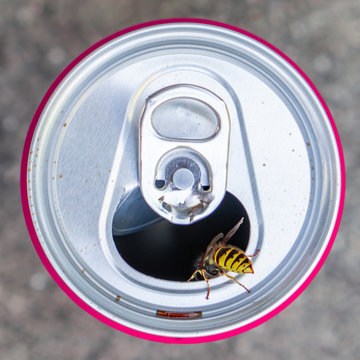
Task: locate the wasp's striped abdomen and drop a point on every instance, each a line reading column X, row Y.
column 232, row 259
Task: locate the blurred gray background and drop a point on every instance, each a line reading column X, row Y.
column 38, row 39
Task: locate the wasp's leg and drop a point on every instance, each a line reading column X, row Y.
column 194, row 274
column 230, row 234
column 202, row 272
column 233, row 279
column 257, row 251
column 207, row 283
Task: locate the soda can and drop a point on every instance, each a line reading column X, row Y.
column 153, row 144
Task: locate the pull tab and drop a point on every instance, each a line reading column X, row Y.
column 184, row 144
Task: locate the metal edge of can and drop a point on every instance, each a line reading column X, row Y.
column 37, row 242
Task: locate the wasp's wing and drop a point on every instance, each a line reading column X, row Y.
column 230, row 234
column 210, row 247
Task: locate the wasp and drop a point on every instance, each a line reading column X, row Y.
column 220, row 258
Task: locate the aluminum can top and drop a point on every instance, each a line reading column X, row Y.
column 185, row 125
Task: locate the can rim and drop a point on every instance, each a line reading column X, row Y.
column 71, row 293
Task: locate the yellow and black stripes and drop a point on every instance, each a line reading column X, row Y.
column 232, row 259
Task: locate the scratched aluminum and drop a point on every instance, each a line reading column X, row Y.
column 281, row 163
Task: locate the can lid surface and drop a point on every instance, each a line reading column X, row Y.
column 80, row 176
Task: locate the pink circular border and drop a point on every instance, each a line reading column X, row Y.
column 58, row 279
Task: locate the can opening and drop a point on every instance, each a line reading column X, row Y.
column 170, row 252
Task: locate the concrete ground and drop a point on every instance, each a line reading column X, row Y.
column 38, row 38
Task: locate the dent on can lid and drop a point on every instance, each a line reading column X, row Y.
column 250, row 126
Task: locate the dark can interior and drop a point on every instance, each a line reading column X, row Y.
column 170, row 252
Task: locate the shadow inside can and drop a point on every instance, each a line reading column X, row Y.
column 170, row 252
